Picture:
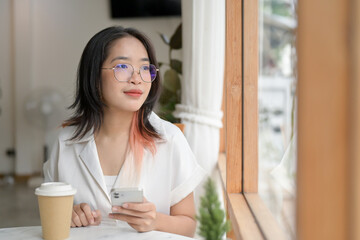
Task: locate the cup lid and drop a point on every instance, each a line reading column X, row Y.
column 54, row 189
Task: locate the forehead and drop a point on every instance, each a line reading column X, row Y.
column 129, row 47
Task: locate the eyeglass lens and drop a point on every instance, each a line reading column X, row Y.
column 124, row 71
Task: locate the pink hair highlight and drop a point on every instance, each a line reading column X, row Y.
column 140, row 139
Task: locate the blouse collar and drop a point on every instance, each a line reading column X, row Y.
column 154, row 119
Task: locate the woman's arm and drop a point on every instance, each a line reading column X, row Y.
column 143, row 217
column 181, row 220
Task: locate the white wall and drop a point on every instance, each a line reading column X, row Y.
column 49, row 36
column 6, row 115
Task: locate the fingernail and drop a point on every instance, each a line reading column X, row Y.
column 92, row 221
column 94, row 214
column 125, row 205
column 114, row 208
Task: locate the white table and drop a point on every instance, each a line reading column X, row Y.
column 101, row 232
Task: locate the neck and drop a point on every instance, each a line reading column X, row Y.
column 115, row 124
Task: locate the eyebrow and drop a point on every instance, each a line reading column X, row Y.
column 126, row 58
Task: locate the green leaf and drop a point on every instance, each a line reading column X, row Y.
column 164, row 38
column 168, row 96
column 176, row 65
column 176, row 38
column 168, row 116
column 165, row 96
column 213, row 223
column 171, row 80
column 170, row 106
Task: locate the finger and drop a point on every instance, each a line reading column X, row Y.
column 124, row 211
column 87, row 211
column 126, row 218
column 72, row 224
column 147, row 215
column 140, row 207
column 82, row 217
column 139, row 224
column 140, row 228
column 76, row 219
column 97, row 217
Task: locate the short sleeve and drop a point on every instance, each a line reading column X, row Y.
column 186, row 172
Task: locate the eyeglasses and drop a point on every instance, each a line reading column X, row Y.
column 124, row 71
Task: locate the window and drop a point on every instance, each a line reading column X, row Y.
column 277, row 110
column 328, row 164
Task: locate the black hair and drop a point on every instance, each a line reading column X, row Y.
column 88, row 105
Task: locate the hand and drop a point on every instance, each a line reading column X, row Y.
column 82, row 216
column 140, row 216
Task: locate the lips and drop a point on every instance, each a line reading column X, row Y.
column 133, row 92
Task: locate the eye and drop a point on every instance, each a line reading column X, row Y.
column 122, row 66
column 145, row 67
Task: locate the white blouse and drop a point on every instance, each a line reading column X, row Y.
column 166, row 178
column 109, row 182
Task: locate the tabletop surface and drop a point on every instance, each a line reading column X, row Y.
column 88, row 233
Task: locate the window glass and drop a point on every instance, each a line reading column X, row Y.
column 277, row 110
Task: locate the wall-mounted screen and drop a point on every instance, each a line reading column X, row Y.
column 144, row 8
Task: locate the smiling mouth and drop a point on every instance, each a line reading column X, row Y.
column 134, row 93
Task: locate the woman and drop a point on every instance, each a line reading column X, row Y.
column 115, row 140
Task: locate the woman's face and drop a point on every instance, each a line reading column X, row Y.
column 127, row 96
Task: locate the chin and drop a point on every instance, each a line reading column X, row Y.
column 128, row 108
column 132, row 108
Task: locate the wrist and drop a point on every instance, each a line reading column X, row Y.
column 157, row 226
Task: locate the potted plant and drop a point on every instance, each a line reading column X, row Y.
column 212, row 220
column 171, row 83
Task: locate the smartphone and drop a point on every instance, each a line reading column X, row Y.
column 124, row 195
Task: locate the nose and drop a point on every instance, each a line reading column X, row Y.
column 135, row 78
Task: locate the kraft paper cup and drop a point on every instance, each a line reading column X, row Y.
column 55, row 204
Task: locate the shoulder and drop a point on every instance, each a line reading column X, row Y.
column 167, row 130
column 66, row 134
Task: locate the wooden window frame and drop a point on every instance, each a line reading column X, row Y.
column 323, row 212
column 238, row 162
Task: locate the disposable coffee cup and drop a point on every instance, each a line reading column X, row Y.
column 55, row 204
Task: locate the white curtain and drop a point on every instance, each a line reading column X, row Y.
column 203, row 31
